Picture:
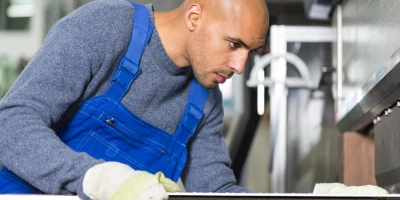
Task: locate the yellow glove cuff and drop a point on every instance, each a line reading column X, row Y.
column 141, row 182
column 168, row 184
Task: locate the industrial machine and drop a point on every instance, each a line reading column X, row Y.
column 376, row 105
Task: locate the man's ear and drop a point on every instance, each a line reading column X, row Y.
column 192, row 16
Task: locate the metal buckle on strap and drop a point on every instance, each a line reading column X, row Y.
column 126, row 73
column 195, row 112
column 193, row 116
column 190, row 124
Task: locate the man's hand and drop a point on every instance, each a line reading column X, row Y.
column 117, row 181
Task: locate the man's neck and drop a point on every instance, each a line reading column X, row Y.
column 171, row 29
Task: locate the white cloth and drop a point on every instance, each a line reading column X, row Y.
column 339, row 188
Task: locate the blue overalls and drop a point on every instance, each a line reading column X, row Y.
column 105, row 129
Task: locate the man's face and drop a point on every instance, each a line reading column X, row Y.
column 222, row 42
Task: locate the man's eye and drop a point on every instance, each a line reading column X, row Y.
column 233, row 45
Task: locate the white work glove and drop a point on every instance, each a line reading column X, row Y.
column 117, row 181
column 338, row 188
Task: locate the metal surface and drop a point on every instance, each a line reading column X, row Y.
column 370, row 30
column 259, row 196
column 319, row 34
column 225, row 196
column 292, row 82
column 339, row 56
column 370, row 36
column 380, row 92
column 278, row 98
column 376, row 102
column 387, row 146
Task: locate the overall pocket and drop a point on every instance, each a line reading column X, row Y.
column 112, row 141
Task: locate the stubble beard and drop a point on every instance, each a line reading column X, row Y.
column 199, row 64
column 203, row 80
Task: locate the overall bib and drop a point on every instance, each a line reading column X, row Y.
column 105, row 129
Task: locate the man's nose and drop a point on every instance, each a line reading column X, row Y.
column 240, row 62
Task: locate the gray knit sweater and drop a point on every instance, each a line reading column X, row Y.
column 76, row 61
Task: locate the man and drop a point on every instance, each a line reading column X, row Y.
column 107, row 98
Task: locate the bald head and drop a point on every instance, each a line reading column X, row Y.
column 241, row 16
column 220, row 9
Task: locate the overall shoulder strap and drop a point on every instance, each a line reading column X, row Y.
column 198, row 94
column 193, row 114
column 128, row 68
column 141, row 32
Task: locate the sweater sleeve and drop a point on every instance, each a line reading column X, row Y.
column 76, row 48
column 208, row 164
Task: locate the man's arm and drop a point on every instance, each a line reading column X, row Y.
column 207, row 168
column 63, row 72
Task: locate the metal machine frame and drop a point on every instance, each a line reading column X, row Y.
column 279, row 84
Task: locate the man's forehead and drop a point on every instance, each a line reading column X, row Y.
column 236, row 8
column 251, row 15
column 249, row 25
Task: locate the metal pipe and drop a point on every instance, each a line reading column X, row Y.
column 339, row 29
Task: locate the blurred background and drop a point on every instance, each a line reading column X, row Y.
column 295, row 117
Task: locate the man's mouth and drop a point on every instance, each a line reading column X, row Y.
column 221, row 78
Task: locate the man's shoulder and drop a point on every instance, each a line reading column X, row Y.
column 107, row 4
column 107, row 8
column 100, row 17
